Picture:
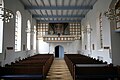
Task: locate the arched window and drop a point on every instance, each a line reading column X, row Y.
column 101, row 30
column 34, row 39
column 1, row 25
column 18, row 31
column 88, row 38
column 28, row 34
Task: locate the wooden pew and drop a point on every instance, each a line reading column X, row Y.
column 36, row 67
column 95, row 73
column 75, row 59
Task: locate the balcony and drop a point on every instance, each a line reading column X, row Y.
column 61, row 38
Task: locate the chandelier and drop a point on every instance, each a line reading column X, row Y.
column 114, row 13
column 6, row 15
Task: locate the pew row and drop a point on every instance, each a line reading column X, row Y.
column 35, row 67
column 86, row 68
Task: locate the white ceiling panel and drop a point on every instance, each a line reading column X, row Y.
column 64, row 12
column 49, row 12
column 33, row 11
column 59, row 2
column 54, row 12
column 51, row 18
column 58, row 9
column 59, row 12
column 43, row 12
column 55, row 19
column 46, row 2
column 59, row 18
column 66, row 2
column 79, row 12
column 38, row 2
column 79, row 2
column 42, row 18
column 46, row 19
column 72, row 2
column 69, row 12
column 74, row 12
column 53, row 2
column 38, row 12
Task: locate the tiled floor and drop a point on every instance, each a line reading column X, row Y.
column 59, row 71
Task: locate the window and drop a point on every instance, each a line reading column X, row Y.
column 18, row 31
column 101, row 30
column 75, row 29
column 88, row 38
column 34, row 39
column 28, row 34
column 42, row 29
column 1, row 26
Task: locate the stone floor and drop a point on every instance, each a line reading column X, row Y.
column 59, row 71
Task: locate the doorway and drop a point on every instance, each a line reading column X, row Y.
column 59, row 52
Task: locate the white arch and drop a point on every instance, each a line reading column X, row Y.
column 61, row 51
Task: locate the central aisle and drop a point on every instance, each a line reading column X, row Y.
column 59, row 71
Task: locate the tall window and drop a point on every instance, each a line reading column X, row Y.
column 34, row 39
column 1, row 26
column 18, row 31
column 101, row 29
column 28, row 34
column 89, row 38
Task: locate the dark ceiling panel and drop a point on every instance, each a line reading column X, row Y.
column 59, row 16
column 58, row 7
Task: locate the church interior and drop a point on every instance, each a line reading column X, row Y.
column 59, row 39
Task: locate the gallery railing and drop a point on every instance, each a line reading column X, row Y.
column 61, row 38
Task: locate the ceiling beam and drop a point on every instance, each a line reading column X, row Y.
column 57, row 7
column 59, row 21
column 58, row 16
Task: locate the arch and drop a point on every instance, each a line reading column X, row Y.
column 28, row 34
column 18, row 21
column 59, row 52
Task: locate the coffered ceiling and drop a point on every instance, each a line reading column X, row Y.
column 56, row 11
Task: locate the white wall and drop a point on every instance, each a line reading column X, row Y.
column 92, row 19
column 9, row 31
column 69, row 47
column 42, row 47
column 12, row 57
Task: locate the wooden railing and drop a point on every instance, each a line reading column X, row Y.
column 61, row 38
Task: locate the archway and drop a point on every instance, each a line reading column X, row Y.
column 59, row 52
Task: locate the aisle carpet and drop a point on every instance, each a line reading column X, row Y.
column 59, row 71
